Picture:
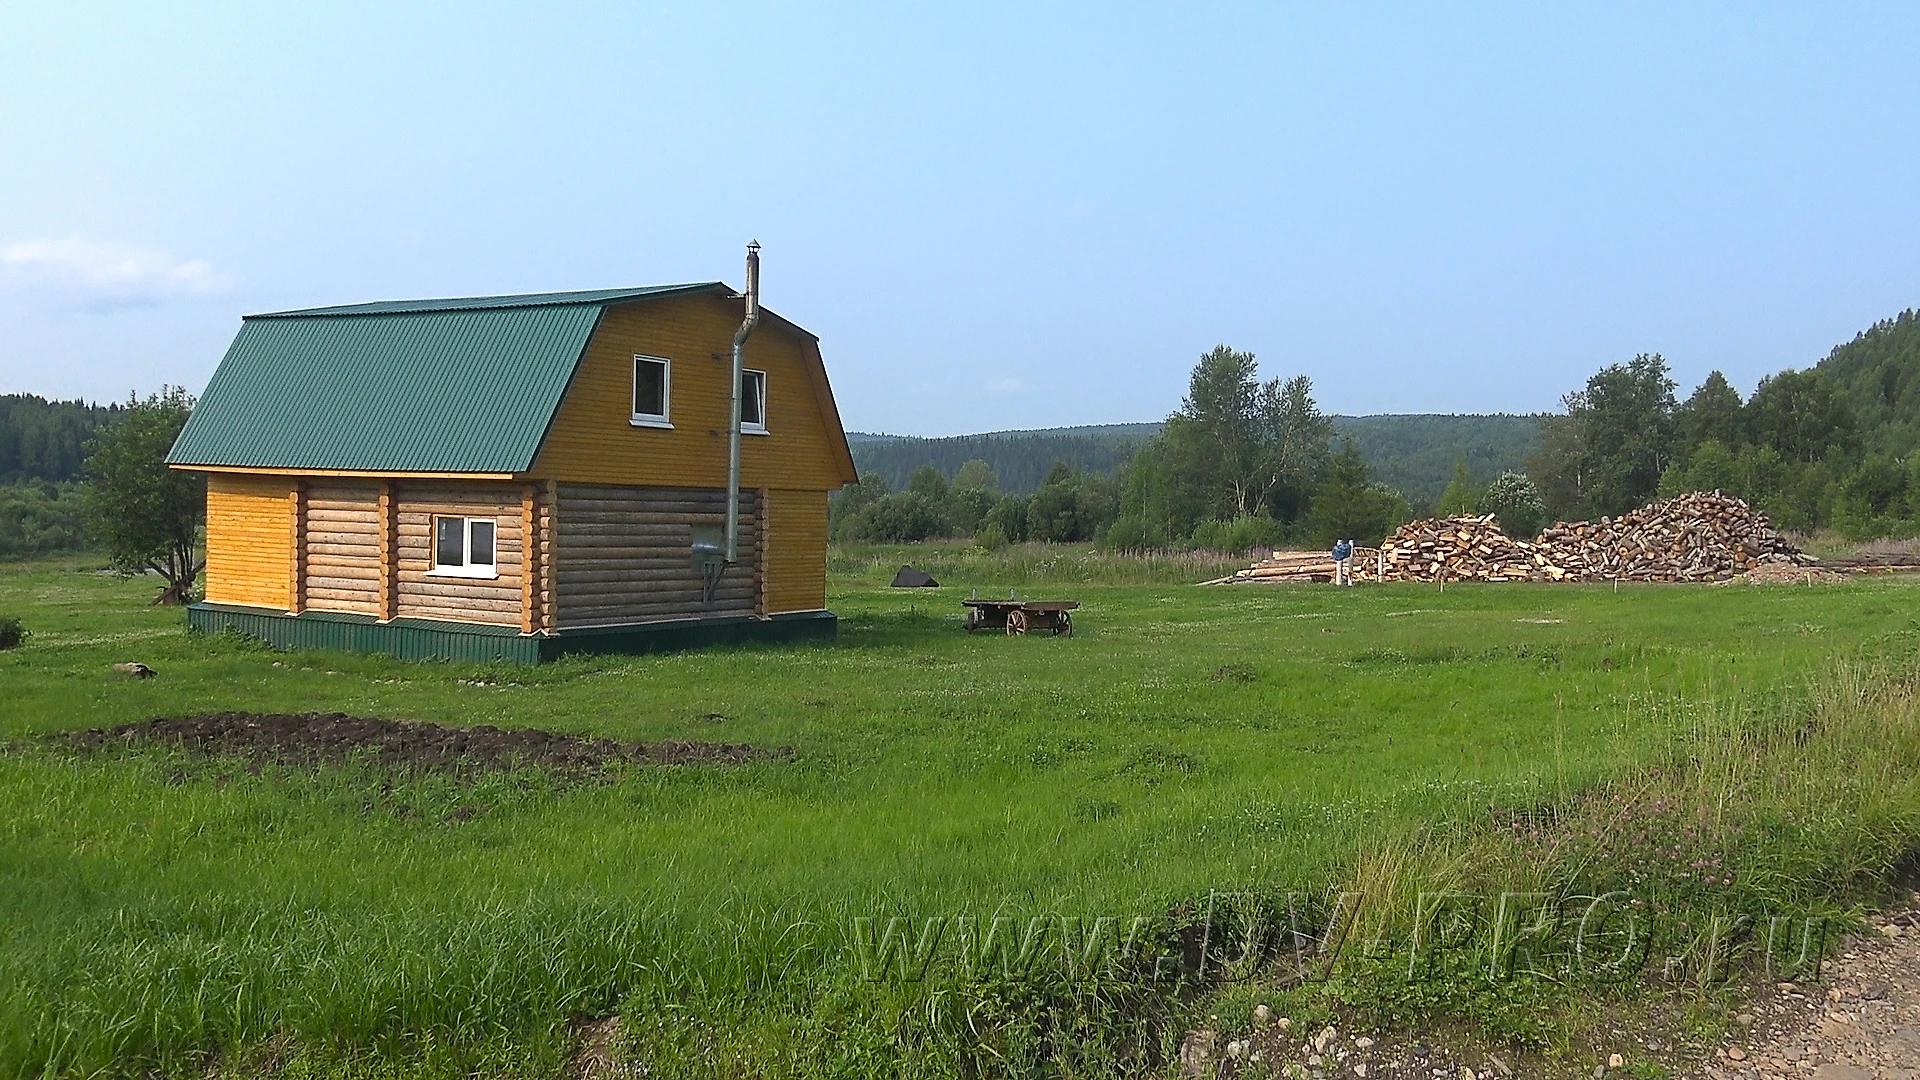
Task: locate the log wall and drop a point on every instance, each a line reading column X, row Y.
column 342, row 547
column 625, row 555
column 420, row 594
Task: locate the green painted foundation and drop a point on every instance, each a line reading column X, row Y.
column 431, row 639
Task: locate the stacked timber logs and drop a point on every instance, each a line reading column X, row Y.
column 1454, row 549
column 1288, row 566
column 1704, row 536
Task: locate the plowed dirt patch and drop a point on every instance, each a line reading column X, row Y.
column 336, row 738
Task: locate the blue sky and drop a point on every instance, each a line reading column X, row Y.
column 994, row 216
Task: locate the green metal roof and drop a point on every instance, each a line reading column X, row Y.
column 464, row 385
column 492, row 303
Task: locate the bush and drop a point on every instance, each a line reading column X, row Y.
column 40, row 519
column 11, row 633
column 1236, row 537
column 1131, row 534
column 1209, row 535
column 993, row 538
column 969, row 507
column 1009, row 515
column 1515, row 503
column 1071, row 506
column 907, row 516
column 1248, row 533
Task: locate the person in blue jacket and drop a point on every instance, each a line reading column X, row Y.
column 1343, row 562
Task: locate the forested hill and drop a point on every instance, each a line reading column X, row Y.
column 46, row 440
column 1413, row 453
column 1880, row 369
column 1019, row 459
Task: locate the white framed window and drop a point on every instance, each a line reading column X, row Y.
column 652, row 391
column 464, row 547
column 753, row 401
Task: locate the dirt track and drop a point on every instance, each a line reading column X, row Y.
column 336, row 738
column 1861, row 1023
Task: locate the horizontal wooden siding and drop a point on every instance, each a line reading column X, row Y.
column 249, row 540
column 796, row 551
column 592, row 439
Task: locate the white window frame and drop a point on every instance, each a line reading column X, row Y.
column 662, row 419
column 467, row 568
column 747, row 427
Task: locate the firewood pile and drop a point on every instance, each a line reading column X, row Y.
column 1454, row 549
column 1704, row 536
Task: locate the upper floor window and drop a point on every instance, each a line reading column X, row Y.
column 753, row 401
column 464, row 547
column 652, row 385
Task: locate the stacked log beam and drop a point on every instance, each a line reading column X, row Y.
column 1284, row 567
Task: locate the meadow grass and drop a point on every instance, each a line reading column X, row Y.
column 1184, row 742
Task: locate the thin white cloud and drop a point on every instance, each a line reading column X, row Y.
column 1005, row 386
column 106, row 270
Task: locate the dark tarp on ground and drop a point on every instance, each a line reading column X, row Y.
column 909, row 578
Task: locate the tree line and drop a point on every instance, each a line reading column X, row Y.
column 47, row 440
column 96, row 477
column 1832, row 446
column 1245, row 462
column 1241, row 463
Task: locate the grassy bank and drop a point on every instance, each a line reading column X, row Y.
column 1184, row 742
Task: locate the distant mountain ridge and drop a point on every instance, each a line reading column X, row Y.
column 1414, row 453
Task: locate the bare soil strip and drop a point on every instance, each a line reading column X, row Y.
column 336, row 738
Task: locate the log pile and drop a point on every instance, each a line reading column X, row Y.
column 1704, row 536
column 1454, row 549
column 1284, row 567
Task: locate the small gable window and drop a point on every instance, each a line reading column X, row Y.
column 464, row 547
column 753, row 401
column 652, row 384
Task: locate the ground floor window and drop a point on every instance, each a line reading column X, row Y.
column 463, row 547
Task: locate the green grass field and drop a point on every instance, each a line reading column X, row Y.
column 1185, row 740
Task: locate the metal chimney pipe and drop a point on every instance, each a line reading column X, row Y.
column 733, row 430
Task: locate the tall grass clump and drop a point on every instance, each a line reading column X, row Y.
column 1761, row 818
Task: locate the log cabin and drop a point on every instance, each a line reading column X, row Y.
column 517, row 477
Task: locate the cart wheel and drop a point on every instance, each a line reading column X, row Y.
column 1016, row 622
column 975, row 619
column 1063, row 625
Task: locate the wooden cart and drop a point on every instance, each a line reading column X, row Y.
column 1019, row 616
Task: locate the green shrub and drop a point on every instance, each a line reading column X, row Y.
column 40, row 519
column 1131, row 534
column 1515, row 503
column 1236, row 537
column 906, row 516
column 11, row 633
column 1209, row 535
column 1247, row 533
